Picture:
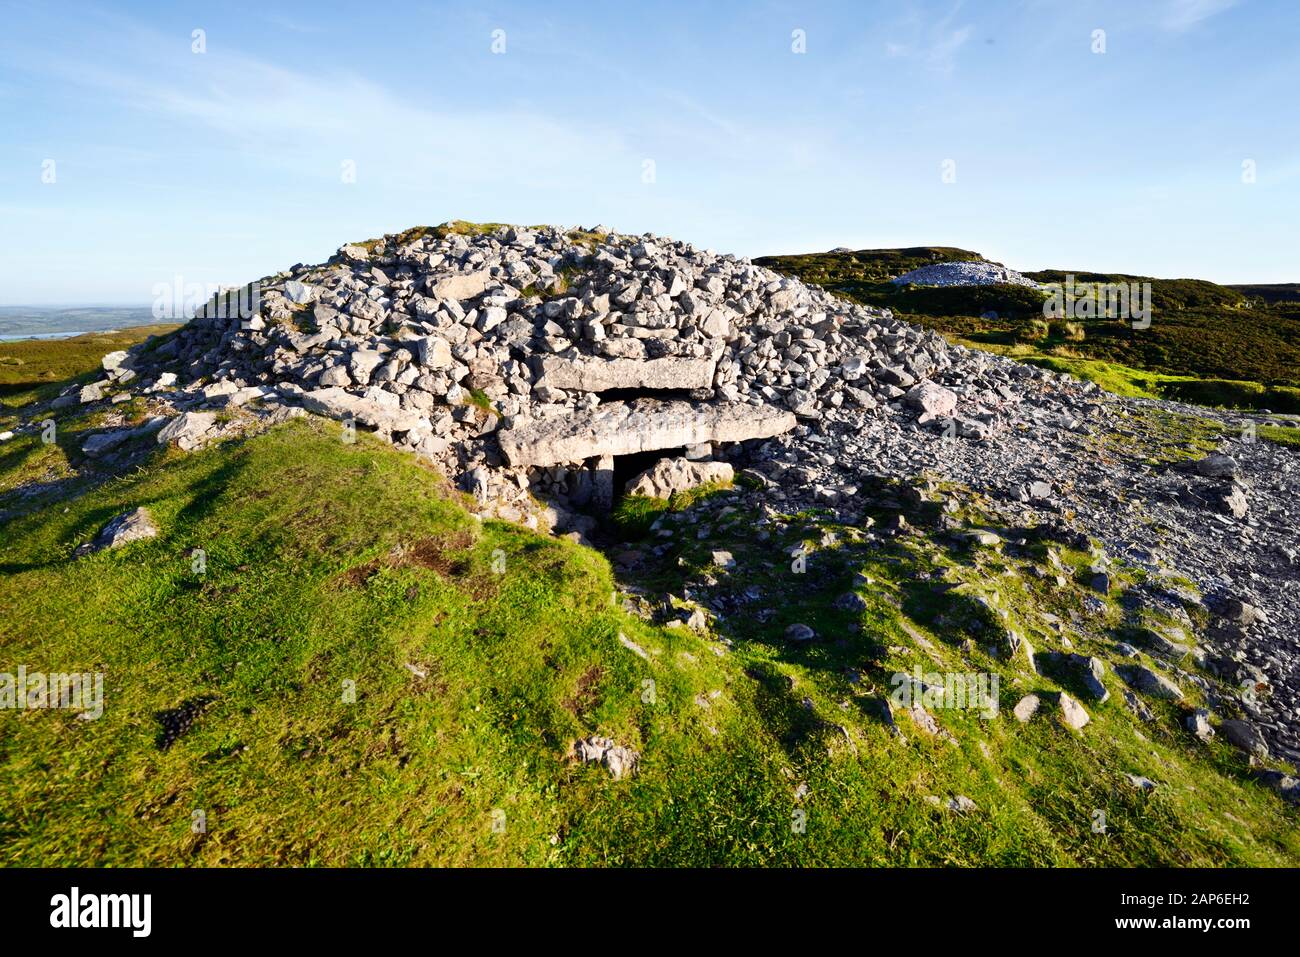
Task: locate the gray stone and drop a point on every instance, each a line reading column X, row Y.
column 668, row 476
column 1245, row 736
column 132, row 526
column 362, row 364
column 594, row 374
column 1072, row 713
column 299, row 292
column 624, row 428
column 851, row 601
column 1026, row 708
column 434, row 352
column 385, row 415
column 1233, row 501
column 620, row 761
column 800, row 632
column 463, row 286
column 1198, row 723
column 1143, row 679
column 1217, row 465
column 335, row 376
column 188, row 430
column 932, row 399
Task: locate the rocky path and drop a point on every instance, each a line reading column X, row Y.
column 1126, row 474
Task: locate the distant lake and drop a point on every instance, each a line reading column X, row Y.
column 52, row 322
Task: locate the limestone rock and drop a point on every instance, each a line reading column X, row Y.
column 1143, row 679
column 624, row 428
column 667, row 476
column 132, row 526
column 188, row 430
column 1072, row 713
column 595, row 374
column 932, row 399
column 620, row 761
column 1026, row 708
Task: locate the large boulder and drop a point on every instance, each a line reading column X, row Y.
column 932, row 399
column 462, row 286
column 594, row 374
column 678, row 475
column 188, row 430
column 1141, row 678
column 377, row 409
column 643, row 425
column 132, row 526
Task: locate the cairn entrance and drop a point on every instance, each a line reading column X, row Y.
column 628, row 467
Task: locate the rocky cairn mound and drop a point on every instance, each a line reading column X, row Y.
column 546, row 371
column 964, row 274
column 523, row 362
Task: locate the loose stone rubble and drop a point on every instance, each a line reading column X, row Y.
column 524, row 363
column 963, row 274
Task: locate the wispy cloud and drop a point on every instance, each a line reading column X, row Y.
column 310, row 124
column 942, row 53
column 1182, row 15
column 934, row 41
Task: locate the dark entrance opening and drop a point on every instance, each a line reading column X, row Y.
column 627, row 395
column 628, row 467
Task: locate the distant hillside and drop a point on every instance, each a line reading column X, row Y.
column 866, row 265
column 1270, row 292
column 1215, row 344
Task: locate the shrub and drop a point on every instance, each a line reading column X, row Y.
column 1034, row 330
column 1069, row 331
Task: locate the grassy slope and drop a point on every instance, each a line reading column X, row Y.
column 329, row 562
column 1211, row 344
column 36, row 368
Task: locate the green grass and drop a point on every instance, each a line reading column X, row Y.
column 1126, row 381
column 1037, row 785
column 1278, row 434
column 479, row 398
column 32, row 369
column 328, row 563
column 634, row 514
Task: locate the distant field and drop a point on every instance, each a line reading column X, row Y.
column 1235, row 346
column 19, row 322
column 28, row 366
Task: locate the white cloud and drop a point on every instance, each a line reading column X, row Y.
column 934, row 40
column 1184, row 14
column 264, row 114
column 943, row 51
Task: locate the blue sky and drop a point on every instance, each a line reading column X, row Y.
column 226, row 165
